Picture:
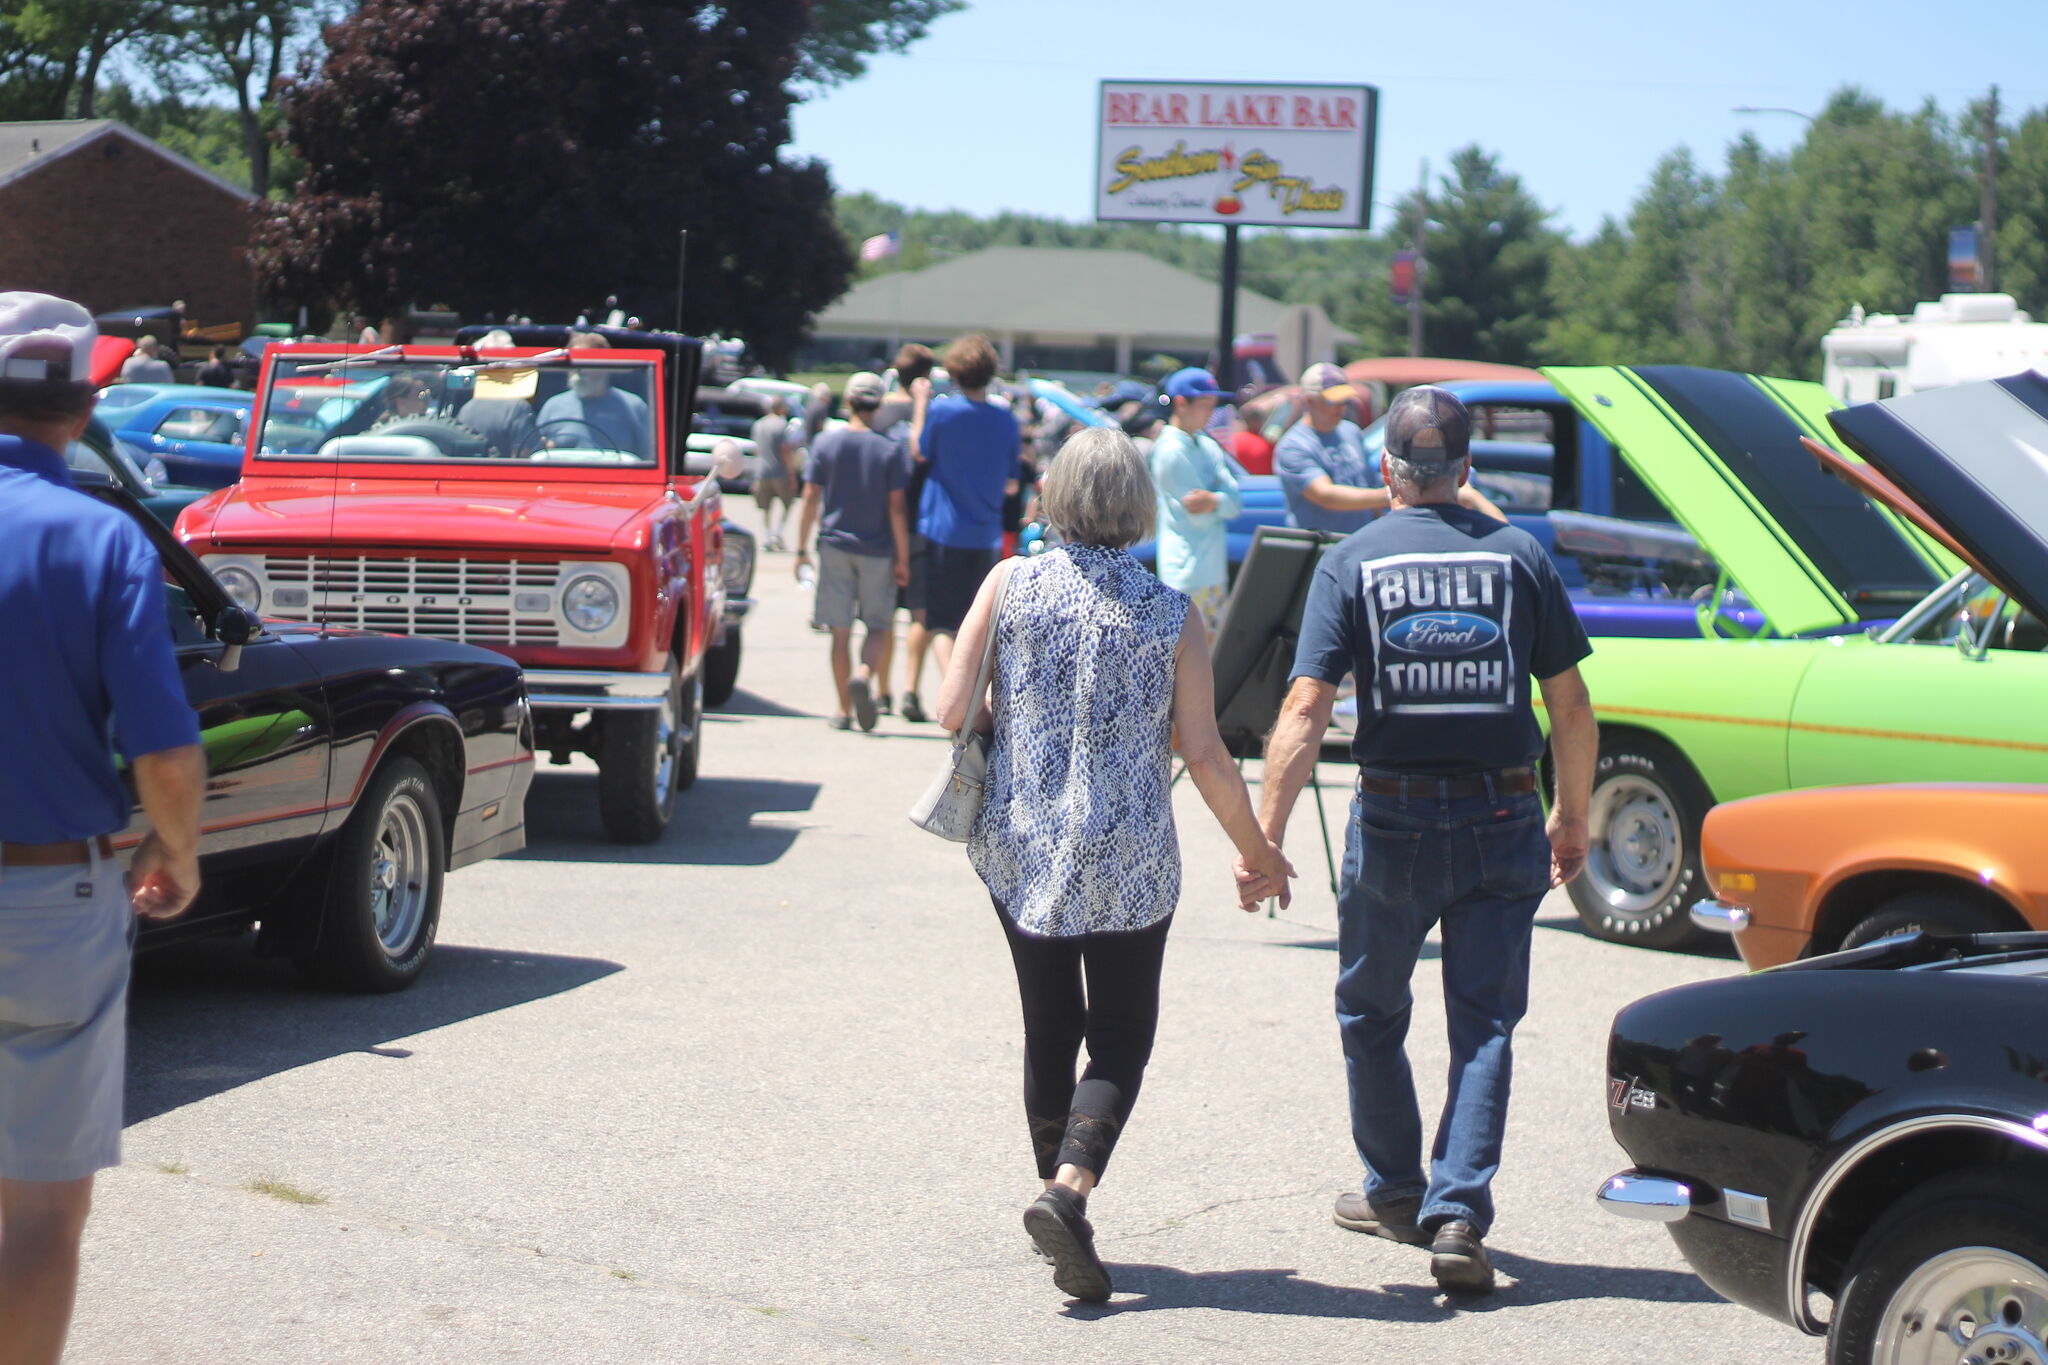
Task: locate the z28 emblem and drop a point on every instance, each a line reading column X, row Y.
column 1622, row 1094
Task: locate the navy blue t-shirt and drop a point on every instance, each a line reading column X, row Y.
column 856, row 470
column 1445, row 615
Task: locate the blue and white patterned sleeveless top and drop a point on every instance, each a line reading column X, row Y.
column 1076, row 830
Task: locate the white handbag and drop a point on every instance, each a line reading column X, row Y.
column 950, row 805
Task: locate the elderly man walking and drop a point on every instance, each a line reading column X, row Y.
column 854, row 493
column 1445, row 615
column 88, row 654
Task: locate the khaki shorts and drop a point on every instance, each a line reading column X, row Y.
column 853, row 588
column 65, row 936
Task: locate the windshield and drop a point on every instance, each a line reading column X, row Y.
column 437, row 412
column 1969, row 604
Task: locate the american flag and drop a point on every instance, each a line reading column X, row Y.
column 881, row 246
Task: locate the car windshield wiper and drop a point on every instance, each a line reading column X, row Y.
column 1927, row 950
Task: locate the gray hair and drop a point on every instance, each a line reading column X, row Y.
column 1098, row 491
column 1433, row 481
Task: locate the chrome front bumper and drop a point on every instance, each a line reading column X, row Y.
column 1652, row 1198
column 1720, row 916
column 575, row 690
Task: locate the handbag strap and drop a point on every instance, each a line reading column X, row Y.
column 988, row 664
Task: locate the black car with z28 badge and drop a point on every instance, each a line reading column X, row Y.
column 348, row 773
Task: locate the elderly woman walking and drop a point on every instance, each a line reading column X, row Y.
column 1100, row 671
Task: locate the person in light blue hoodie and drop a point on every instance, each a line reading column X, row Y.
column 1198, row 494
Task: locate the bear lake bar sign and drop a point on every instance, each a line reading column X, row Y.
column 1229, row 153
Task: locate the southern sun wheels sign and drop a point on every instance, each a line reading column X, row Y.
column 1269, row 155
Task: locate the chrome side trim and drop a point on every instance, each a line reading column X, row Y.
column 1653, row 1198
column 1817, row 1196
column 1719, row 916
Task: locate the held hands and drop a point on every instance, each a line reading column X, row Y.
column 1262, row 877
column 1568, row 843
column 161, row 885
column 1200, row 501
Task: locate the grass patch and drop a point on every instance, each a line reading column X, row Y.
column 173, row 1167
column 278, row 1189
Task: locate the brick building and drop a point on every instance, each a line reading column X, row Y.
column 92, row 210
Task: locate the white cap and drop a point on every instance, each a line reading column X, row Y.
column 45, row 338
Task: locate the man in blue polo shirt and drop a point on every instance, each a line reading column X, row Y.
column 88, row 666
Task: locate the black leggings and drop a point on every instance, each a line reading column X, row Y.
column 1078, row 1124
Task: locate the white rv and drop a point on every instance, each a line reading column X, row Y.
column 1961, row 338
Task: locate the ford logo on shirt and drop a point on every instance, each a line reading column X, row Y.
column 1442, row 633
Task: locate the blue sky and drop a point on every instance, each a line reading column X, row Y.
column 995, row 108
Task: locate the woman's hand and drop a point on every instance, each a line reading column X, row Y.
column 1263, row 876
column 1201, row 500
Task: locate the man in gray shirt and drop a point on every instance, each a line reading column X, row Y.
column 854, row 493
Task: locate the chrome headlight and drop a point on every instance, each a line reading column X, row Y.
column 737, row 565
column 590, row 603
column 242, row 587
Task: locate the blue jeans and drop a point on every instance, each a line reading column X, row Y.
column 1481, row 866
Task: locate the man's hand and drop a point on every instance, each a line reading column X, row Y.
column 1201, row 500
column 803, row 558
column 1568, row 843
column 902, row 572
column 1263, row 877
column 161, row 885
column 921, row 389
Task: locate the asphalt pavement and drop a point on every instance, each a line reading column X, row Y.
column 752, row 1094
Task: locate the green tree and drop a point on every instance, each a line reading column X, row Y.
column 845, row 33
column 1487, row 254
column 52, row 52
column 1642, row 294
column 2021, row 260
column 243, row 49
column 549, row 161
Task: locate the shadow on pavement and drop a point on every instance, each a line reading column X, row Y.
column 713, row 824
column 1281, row 1292
column 209, row 1016
column 1432, row 951
column 745, row 703
column 1719, row 946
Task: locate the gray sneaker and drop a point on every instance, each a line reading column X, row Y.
column 1393, row 1220
column 1459, row 1261
column 863, row 702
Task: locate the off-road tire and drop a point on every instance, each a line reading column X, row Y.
column 399, row 811
column 1646, row 812
column 1934, row 912
column 2002, row 1210
column 633, row 802
column 722, row 669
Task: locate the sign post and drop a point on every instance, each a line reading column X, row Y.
column 1235, row 154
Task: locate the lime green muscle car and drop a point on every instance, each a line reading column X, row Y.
column 1882, row 657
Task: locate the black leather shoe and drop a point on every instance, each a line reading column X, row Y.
column 1060, row 1232
column 1393, row 1220
column 913, row 709
column 1458, row 1260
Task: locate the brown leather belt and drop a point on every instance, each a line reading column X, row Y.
column 1499, row 782
column 54, row 855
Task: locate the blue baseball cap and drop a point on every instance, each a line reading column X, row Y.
column 1192, row 382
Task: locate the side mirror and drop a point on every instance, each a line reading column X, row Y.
column 235, row 627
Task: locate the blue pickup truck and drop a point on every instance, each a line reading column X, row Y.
column 1631, row 568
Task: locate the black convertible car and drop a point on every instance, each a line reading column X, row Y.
column 348, row 773
column 1858, row 1143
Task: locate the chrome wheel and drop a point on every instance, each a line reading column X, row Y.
column 1637, row 845
column 401, row 869
column 667, row 747
column 1969, row 1306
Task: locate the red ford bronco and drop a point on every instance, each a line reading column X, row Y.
column 536, row 499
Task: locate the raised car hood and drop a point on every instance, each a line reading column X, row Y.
column 1975, row 457
column 427, row 514
column 1722, row 452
